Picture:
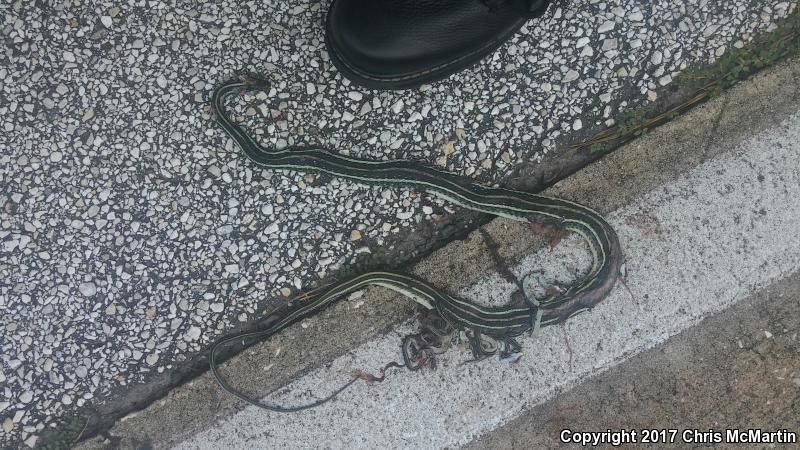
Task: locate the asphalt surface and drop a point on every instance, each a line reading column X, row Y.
column 133, row 234
column 707, row 208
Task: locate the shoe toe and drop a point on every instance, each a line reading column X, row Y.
column 401, row 43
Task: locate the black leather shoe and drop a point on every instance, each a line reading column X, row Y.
column 399, row 44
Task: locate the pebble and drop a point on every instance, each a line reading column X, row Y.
column 570, row 76
column 87, row 289
column 193, row 334
column 657, row 57
column 610, row 44
column 26, row 397
column 404, row 215
column 272, row 228
column 152, row 358
column 606, row 26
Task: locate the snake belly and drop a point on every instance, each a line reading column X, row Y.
column 499, row 322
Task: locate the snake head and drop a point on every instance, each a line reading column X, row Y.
column 254, row 80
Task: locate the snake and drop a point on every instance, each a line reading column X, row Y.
column 500, row 322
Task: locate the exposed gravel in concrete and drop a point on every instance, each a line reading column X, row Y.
column 131, row 232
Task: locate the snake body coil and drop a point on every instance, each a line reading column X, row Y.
column 498, row 322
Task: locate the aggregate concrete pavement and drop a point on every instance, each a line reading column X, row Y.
column 132, row 232
column 720, row 181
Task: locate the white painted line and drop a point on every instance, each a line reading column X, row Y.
column 694, row 247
